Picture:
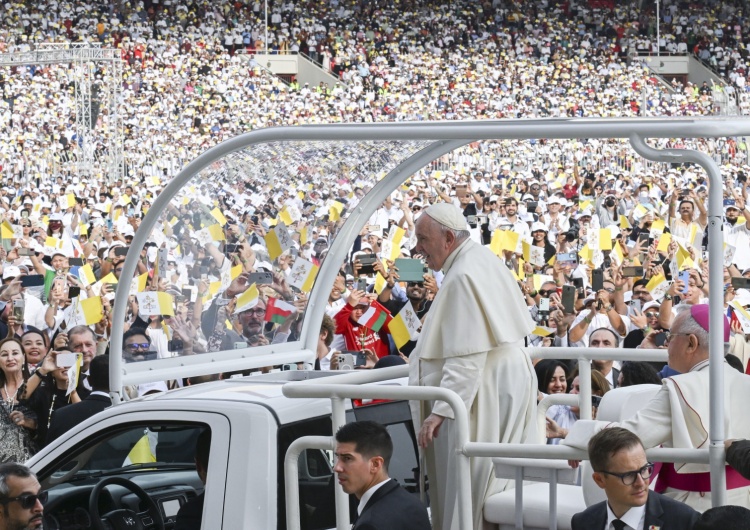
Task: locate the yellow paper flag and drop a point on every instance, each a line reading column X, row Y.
column 92, row 309
column 503, row 240
column 624, row 223
column 664, row 241
column 217, row 233
column 655, row 281
column 334, row 211
column 86, row 274
column 542, row 331
column 605, row 239
column 586, row 253
column 109, row 278
column 216, row 213
column 142, row 282
column 526, row 253
column 285, row 217
column 7, row 230
column 235, row 271
column 214, row 288
column 53, row 242
column 248, row 299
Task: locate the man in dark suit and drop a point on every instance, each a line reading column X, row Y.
column 66, row 418
column 622, row 471
column 363, row 452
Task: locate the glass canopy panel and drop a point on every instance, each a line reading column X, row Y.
column 270, row 207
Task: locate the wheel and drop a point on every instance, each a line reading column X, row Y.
column 124, row 519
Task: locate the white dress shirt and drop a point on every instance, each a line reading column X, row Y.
column 634, row 518
column 368, row 494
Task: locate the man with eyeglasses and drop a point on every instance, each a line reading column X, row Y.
column 621, row 469
column 21, row 498
column 678, row 415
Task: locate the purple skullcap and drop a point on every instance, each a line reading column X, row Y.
column 700, row 313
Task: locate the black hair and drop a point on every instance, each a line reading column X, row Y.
column 132, row 332
column 734, row 361
column 721, row 517
column 545, row 370
column 99, row 373
column 639, row 373
column 370, row 439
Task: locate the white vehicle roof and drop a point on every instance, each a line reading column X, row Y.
column 265, row 390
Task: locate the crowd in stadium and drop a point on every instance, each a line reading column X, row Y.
column 603, row 245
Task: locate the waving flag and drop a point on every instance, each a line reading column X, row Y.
column 375, row 317
column 278, row 310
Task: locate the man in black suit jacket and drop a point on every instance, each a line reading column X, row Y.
column 622, row 471
column 363, row 452
column 66, row 418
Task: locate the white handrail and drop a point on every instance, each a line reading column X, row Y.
column 421, row 393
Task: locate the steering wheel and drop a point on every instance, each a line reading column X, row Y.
column 124, row 519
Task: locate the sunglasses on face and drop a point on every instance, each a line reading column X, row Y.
column 138, row 345
column 28, row 500
column 544, row 292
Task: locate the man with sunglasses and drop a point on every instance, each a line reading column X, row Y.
column 21, row 498
column 620, row 468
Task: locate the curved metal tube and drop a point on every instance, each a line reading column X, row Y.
column 716, row 302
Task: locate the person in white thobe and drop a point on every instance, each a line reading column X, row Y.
column 471, row 343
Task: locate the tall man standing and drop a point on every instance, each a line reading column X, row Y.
column 471, row 343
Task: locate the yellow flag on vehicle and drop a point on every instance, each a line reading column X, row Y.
column 144, row 450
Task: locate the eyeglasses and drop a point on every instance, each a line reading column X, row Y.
column 630, row 477
column 609, row 290
column 258, row 312
column 137, row 345
column 651, row 314
column 27, row 500
column 416, row 208
column 415, row 284
column 544, row 292
column 671, row 335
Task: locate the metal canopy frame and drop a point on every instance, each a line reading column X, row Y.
column 442, row 138
column 83, row 55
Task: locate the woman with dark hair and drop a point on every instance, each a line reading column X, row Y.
column 49, row 394
column 539, row 239
column 552, row 376
column 638, row 373
column 35, row 345
column 17, row 422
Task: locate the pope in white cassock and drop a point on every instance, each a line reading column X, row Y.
column 471, row 343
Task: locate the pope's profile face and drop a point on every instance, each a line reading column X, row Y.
column 432, row 242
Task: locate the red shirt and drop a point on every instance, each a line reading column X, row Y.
column 377, row 342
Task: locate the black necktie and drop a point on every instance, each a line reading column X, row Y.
column 619, row 525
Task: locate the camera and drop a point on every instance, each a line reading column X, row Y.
column 175, row 345
column 571, row 235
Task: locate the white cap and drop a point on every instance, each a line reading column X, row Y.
column 447, row 215
column 537, row 226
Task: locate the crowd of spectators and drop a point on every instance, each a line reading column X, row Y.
column 599, row 241
column 185, row 87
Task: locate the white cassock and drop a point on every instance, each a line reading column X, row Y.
column 472, row 343
column 679, row 416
